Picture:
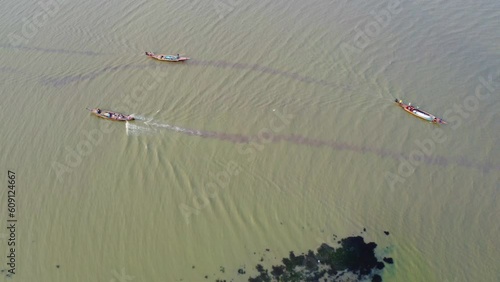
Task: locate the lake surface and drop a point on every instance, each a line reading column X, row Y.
column 279, row 132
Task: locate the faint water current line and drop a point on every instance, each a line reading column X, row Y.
column 336, row 145
column 221, row 179
column 121, row 276
column 456, row 116
column 65, row 80
column 74, row 156
column 46, row 9
column 56, row 51
column 378, row 21
column 222, row 8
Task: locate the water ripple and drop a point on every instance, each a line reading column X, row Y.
column 57, row 51
column 61, row 81
column 255, row 141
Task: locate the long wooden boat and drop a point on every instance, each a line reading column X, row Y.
column 167, row 58
column 111, row 115
column 419, row 113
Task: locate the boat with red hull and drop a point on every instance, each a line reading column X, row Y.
column 419, row 113
column 167, row 58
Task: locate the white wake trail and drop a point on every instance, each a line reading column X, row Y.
column 148, row 127
column 177, row 128
column 135, row 129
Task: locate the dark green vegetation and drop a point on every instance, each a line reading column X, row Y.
column 353, row 260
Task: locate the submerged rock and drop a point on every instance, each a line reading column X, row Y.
column 389, row 260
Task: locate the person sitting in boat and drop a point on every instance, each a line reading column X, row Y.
column 178, row 56
column 98, row 110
